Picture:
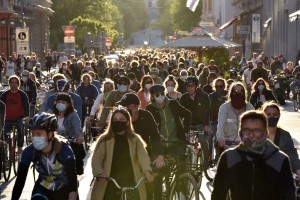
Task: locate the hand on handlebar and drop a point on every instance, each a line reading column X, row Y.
column 80, row 139
column 101, row 177
column 149, row 177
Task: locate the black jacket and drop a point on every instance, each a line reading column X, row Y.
column 199, row 107
column 269, row 177
column 255, row 100
column 215, row 103
column 146, row 127
column 181, row 115
column 30, row 89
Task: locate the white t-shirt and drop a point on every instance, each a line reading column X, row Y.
column 60, row 125
column 247, row 76
column 10, row 69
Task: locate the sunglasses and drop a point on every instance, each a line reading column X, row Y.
column 219, row 86
column 161, row 93
column 123, row 83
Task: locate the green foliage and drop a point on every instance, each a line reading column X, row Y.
column 163, row 22
column 220, row 55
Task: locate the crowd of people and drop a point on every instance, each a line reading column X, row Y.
column 144, row 105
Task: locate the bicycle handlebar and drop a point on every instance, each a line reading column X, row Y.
column 108, row 178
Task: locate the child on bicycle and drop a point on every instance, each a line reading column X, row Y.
column 53, row 159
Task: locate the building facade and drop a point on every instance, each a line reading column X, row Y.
column 33, row 14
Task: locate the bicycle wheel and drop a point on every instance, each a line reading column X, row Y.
column 211, row 171
column 184, row 187
column 195, row 161
column 87, row 133
column 6, row 161
column 15, row 154
column 27, row 133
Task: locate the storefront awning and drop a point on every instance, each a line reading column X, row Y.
column 228, row 23
column 294, row 16
column 266, row 24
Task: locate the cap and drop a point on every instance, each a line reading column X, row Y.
column 129, row 99
column 154, row 71
column 25, row 73
column 157, row 88
column 123, row 79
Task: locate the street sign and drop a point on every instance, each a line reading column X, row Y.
column 242, row 29
column 69, row 31
column 108, row 42
column 69, row 39
column 22, row 34
column 23, row 48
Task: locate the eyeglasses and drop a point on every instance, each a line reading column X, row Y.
column 247, row 131
column 219, row 86
column 161, row 93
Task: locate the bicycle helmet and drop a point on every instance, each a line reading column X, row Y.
column 191, row 79
column 44, row 121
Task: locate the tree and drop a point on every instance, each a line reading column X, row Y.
column 163, row 22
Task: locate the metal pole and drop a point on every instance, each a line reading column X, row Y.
column 22, row 15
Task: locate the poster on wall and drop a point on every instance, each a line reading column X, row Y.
column 256, row 28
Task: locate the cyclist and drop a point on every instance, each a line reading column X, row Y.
column 2, row 114
column 229, row 113
column 63, row 86
column 29, row 87
column 295, row 83
column 69, row 126
column 16, row 103
column 198, row 103
column 53, row 159
column 255, row 169
column 121, row 154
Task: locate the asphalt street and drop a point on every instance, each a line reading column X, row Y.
column 290, row 121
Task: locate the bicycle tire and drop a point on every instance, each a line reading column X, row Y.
column 86, row 134
column 15, row 156
column 196, row 160
column 26, row 132
column 295, row 104
column 6, row 161
column 177, row 192
column 211, row 171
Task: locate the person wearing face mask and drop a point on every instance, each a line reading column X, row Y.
column 154, row 75
column 69, row 126
column 120, row 153
column 171, row 86
column 53, row 159
column 115, row 96
column 136, row 69
column 261, row 93
column 134, row 84
column 256, row 168
column 181, row 81
column 65, row 71
column 121, row 73
column 208, row 88
column 144, row 93
column 173, row 122
column 29, row 87
column 247, row 77
column 281, row 137
column 229, row 113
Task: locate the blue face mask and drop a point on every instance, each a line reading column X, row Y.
column 61, row 107
column 260, row 87
column 39, row 143
column 122, row 88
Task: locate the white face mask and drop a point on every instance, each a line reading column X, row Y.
column 160, row 99
column 153, row 75
column 183, row 77
column 39, row 143
column 24, row 79
column 148, row 86
column 131, row 82
column 170, row 89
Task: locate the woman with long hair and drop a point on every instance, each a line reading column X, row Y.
column 120, row 153
column 144, row 93
column 172, row 85
column 261, row 93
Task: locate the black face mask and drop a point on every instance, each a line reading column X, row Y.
column 272, row 121
column 118, row 126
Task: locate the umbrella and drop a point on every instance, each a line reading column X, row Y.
column 201, row 38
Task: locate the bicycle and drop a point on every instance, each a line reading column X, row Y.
column 125, row 189
column 5, row 165
column 296, row 101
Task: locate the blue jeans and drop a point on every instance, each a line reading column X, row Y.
column 294, row 84
column 8, row 125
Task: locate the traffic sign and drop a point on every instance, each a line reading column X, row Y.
column 69, row 31
column 23, row 48
column 69, row 39
column 22, row 34
column 108, row 42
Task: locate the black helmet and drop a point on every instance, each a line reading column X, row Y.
column 192, row 79
column 44, row 121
